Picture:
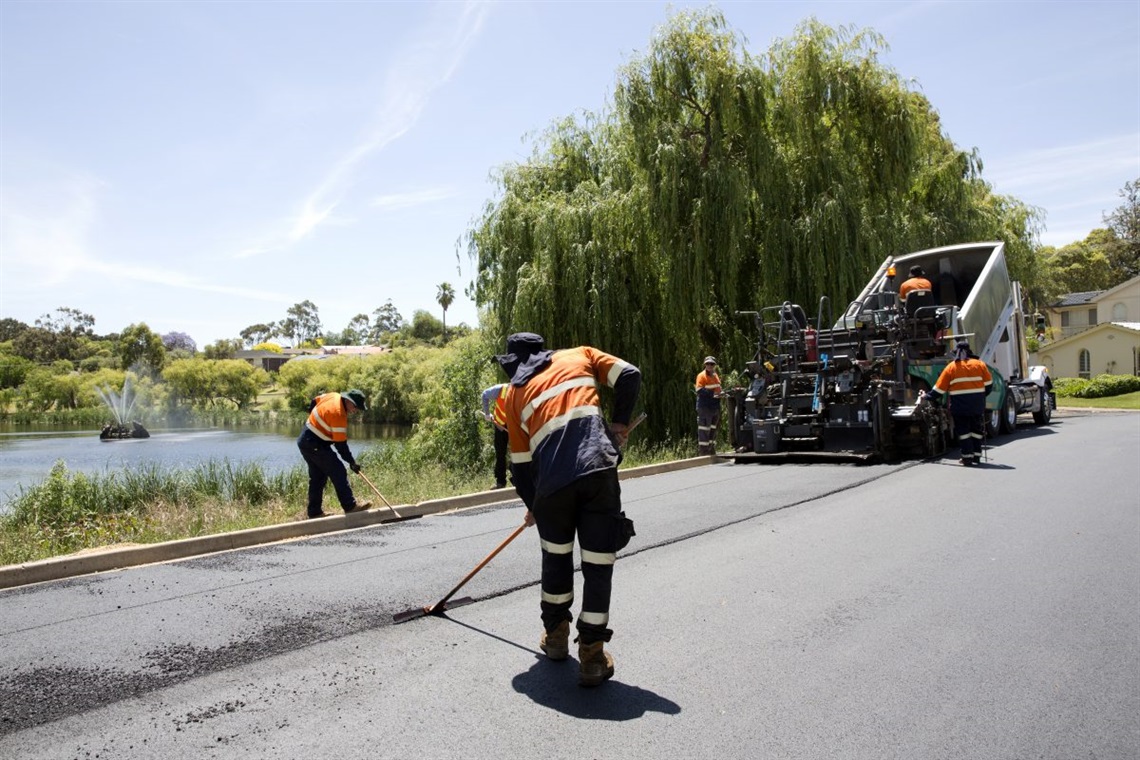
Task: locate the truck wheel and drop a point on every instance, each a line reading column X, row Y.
column 1046, row 413
column 1008, row 414
column 993, row 423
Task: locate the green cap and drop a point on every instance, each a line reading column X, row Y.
column 357, row 399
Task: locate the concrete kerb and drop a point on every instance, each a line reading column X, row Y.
column 117, row 558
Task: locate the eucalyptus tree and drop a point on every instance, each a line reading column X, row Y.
column 302, row 322
column 385, row 319
column 258, row 333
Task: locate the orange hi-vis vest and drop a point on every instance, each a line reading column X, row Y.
column 708, row 386
column 914, row 283
column 967, row 382
column 329, row 420
column 555, row 420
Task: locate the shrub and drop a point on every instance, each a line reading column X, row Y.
column 1100, row 386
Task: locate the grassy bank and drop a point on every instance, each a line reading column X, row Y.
column 1123, row 401
column 70, row 512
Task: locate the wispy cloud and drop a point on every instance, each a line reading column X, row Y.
column 398, row 201
column 45, row 227
column 1058, row 168
column 45, row 242
column 425, row 64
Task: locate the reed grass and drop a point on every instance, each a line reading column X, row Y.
column 71, row 511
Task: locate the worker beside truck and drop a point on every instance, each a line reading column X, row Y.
column 965, row 382
column 707, row 387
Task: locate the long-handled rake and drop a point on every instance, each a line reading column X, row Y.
column 442, row 605
column 377, row 490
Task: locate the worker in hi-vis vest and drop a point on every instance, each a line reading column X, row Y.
column 967, row 382
column 326, row 430
column 708, row 406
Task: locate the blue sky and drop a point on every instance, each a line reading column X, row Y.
column 203, row 166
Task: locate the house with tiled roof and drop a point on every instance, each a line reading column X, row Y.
column 1093, row 333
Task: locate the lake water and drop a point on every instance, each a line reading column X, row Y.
column 27, row 456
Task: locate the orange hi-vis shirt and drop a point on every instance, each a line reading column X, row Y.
column 708, row 388
column 329, row 420
column 967, row 382
column 914, row 283
column 555, row 424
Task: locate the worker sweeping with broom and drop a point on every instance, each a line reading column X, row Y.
column 564, row 462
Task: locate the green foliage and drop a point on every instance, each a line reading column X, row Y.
column 206, row 382
column 138, row 345
column 71, row 511
column 425, row 327
column 448, row 431
column 222, row 349
column 1100, row 386
column 14, row 370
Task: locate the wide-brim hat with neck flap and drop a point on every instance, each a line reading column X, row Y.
column 526, row 356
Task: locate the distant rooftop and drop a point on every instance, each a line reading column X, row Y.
column 1076, row 299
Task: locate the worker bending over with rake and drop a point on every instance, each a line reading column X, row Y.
column 326, row 429
column 564, row 462
column 967, row 381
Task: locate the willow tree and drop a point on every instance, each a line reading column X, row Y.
column 721, row 182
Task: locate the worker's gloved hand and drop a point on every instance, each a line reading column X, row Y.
column 620, row 434
column 354, row 467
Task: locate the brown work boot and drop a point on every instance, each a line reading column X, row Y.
column 556, row 643
column 358, row 506
column 594, row 664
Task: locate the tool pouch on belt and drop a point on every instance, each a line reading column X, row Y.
column 623, row 531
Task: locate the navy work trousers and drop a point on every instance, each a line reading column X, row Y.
column 590, row 508
column 969, row 430
column 502, row 442
column 324, row 465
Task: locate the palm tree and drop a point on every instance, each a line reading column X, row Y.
column 445, row 296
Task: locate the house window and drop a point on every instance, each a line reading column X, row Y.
column 1092, row 317
column 1064, row 319
column 1085, row 362
column 1119, row 312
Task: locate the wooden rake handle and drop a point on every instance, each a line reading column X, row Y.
column 377, row 490
column 432, row 609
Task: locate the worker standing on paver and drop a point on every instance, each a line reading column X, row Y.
column 967, row 382
column 708, row 406
column 564, row 461
column 325, row 430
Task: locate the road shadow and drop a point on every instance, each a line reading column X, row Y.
column 555, row 685
column 990, row 465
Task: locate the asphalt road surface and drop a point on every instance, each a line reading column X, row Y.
column 916, row 611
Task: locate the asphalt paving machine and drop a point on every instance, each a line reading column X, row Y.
column 853, row 387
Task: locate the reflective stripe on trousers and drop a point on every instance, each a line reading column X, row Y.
column 707, row 420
